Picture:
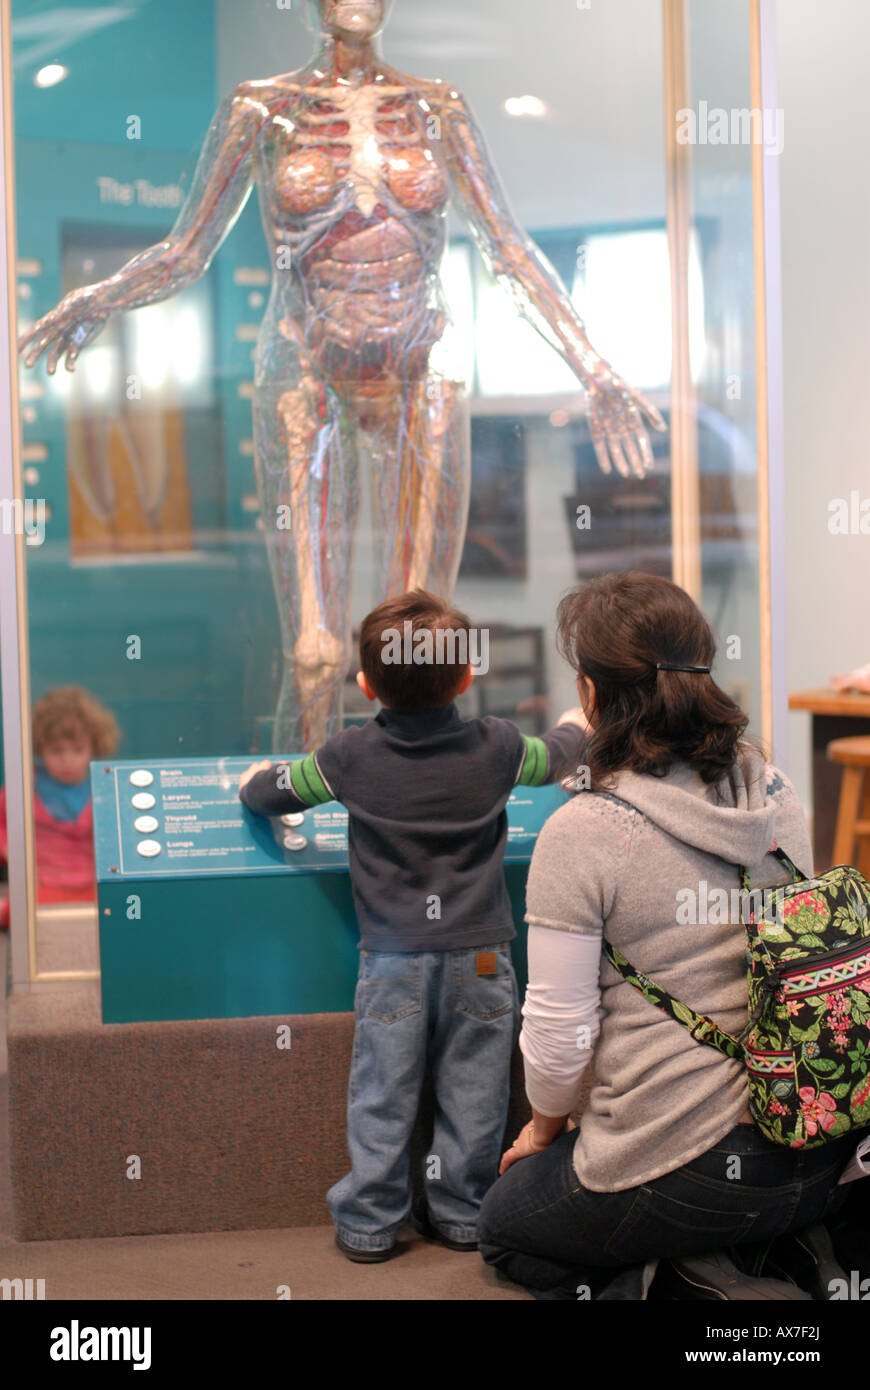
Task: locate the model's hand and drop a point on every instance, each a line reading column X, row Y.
column 252, row 771
column 616, row 422
column 66, row 329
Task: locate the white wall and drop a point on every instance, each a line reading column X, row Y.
column 825, row 95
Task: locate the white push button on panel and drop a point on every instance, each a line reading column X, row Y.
column 146, row 825
column 142, row 801
column 148, row 848
column 141, row 777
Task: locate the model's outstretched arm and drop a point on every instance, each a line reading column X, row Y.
column 217, row 195
column 616, row 412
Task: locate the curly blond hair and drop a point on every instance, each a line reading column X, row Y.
column 72, row 712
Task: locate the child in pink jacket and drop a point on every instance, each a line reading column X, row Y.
column 70, row 727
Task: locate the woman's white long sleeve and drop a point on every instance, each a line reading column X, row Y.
column 560, row 1016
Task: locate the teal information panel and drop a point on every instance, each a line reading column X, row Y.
column 208, row 911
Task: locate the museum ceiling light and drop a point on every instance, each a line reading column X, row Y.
column 51, row 74
column 526, row 106
column 55, row 29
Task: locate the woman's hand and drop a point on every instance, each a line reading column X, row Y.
column 520, row 1148
column 252, row 771
column 66, row 329
column 525, row 1145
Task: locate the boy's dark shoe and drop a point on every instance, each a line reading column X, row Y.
column 364, row 1257
column 423, row 1225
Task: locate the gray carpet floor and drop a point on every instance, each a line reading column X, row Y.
column 229, row 1265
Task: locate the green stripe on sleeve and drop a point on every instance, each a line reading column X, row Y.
column 307, row 782
column 533, row 772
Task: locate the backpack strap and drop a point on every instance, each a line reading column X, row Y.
column 783, row 858
column 702, row 1029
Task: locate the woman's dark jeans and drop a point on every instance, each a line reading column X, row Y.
column 542, row 1229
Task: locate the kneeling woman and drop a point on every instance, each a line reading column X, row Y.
column 667, row 1161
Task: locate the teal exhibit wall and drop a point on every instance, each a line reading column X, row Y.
column 206, row 620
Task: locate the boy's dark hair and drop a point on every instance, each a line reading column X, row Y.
column 411, row 687
column 613, row 631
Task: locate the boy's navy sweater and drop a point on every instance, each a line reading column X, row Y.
column 427, row 826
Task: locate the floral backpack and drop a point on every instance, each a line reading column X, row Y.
column 806, row 1045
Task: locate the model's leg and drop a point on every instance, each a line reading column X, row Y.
column 470, row 1062
column 421, row 461
column 386, row 1075
column 307, row 480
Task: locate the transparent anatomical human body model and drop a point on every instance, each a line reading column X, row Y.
column 355, row 165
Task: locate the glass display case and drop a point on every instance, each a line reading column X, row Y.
column 152, row 579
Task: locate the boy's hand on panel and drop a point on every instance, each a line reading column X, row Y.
column 252, row 771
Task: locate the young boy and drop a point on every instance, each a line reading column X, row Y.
column 425, row 792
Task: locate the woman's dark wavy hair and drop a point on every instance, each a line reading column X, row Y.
column 613, row 631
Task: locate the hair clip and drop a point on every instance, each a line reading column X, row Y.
column 677, row 666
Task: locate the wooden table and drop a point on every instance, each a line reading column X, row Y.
column 835, row 714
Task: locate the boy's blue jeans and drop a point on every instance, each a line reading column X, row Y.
column 457, row 1014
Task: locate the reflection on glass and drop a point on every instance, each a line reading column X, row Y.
column 355, row 163
column 70, row 727
column 154, row 521
column 628, row 268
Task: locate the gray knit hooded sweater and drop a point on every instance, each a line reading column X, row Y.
column 639, row 863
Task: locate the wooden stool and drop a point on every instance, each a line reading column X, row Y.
column 853, row 814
